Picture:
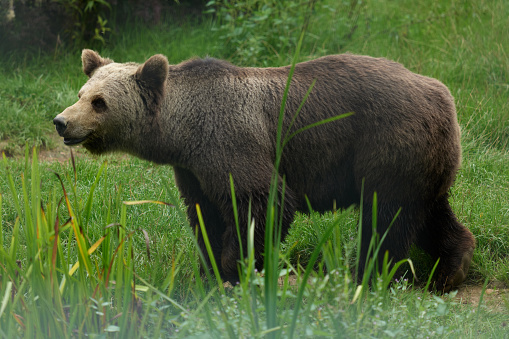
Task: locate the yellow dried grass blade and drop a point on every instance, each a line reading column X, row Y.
column 79, row 238
column 141, row 288
column 90, row 251
column 139, row 202
column 357, row 294
column 7, row 295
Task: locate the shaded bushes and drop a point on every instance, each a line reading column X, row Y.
column 47, row 24
column 33, row 25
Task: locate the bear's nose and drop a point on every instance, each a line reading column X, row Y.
column 60, row 125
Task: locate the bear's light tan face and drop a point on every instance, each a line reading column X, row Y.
column 114, row 102
column 103, row 100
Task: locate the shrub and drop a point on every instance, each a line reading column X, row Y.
column 46, row 24
column 88, row 20
column 30, row 26
column 254, row 31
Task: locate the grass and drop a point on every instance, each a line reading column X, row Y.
column 169, row 300
column 462, row 43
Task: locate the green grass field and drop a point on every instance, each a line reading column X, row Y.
column 140, row 279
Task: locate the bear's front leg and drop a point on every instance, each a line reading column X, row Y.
column 191, row 192
column 256, row 201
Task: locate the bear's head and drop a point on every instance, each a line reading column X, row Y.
column 114, row 104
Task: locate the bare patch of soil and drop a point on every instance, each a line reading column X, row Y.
column 56, row 151
column 494, row 298
column 60, row 154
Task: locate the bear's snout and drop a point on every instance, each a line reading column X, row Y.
column 60, row 125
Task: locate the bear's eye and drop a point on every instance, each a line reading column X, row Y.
column 99, row 104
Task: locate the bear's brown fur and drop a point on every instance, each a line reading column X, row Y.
column 208, row 118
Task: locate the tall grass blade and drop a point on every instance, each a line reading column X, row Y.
column 316, row 124
column 88, row 205
column 357, row 294
column 1, row 228
column 7, row 296
column 209, row 249
column 140, row 202
column 14, row 240
column 39, row 232
column 236, row 216
column 119, row 269
column 302, row 102
column 12, row 187
column 56, row 238
column 29, row 225
column 359, row 232
column 271, row 227
column 80, row 239
column 430, row 277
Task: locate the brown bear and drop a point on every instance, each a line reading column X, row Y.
column 209, row 119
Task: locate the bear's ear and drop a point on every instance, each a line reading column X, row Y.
column 92, row 61
column 153, row 73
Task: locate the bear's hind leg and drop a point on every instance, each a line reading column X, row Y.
column 399, row 237
column 445, row 238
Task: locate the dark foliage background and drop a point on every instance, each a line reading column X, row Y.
column 31, row 26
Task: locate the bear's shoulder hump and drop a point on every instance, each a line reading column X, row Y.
column 206, row 64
